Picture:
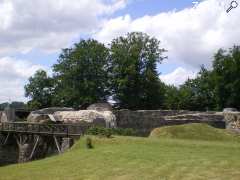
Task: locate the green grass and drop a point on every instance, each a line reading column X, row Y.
column 127, row 158
column 195, row 131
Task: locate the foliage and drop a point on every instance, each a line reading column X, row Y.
column 107, row 132
column 226, row 71
column 39, row 89
column 134, row 77
column 214, row 89
column 89, row 143
column 198, row 94
column 81, row 74
column 89, row 72
column 124, row 132
column 127, row 72
column 100, row 131
column 172, row 98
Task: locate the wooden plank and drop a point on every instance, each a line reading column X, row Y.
column 56, row 142
column 5, row 142
column 34, row 147
column 53, row 129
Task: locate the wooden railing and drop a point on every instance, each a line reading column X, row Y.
column 47, row 129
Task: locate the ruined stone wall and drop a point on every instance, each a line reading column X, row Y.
column 143, row 121
column 232, row 120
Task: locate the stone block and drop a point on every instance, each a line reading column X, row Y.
column 66, row 144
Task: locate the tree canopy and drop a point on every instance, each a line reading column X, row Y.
column 134, row 76
column 217, row 88
column 126, row 71
column 81, row 74
column 40, row 89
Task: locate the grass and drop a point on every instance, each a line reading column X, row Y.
column 195, row 131
column 127, row 158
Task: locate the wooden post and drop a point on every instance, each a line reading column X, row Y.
column 34, row 148
column 56, row 142
column 5, row 141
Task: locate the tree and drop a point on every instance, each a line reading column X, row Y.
column 226, row 72
column 40, row 90
column 81, row 74
column 134, row 78
column 172, row 97
column 198, row 93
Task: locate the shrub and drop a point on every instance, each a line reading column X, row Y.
column 107, row 132
column 124, row 132
column 89, row 143
column 100, row 131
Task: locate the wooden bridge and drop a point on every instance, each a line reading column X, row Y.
column 63, row 130
column 35, row 134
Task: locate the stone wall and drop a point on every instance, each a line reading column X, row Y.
column 143, row 121
column 232, row 120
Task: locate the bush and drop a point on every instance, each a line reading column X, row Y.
column 107, row 132
column 89, row 143
column 100, row 131
column 124, row 132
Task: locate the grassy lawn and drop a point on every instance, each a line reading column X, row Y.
column 124, row 158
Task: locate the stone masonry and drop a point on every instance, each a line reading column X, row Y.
column 232, row 120
column 143, row 121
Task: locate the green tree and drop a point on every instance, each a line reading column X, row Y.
column 198, row 93
column 226, row 72
column 81, row 74
column 134, row 77
column 172, row 97
column 40, row 90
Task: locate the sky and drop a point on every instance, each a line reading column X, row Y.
column 33, row 32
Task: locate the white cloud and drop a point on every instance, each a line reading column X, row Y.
column 13, row 76
column 49, row 24
column 178, row 76
column 191, row 35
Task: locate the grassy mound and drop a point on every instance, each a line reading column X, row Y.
column 196, row 131
column 131, row 158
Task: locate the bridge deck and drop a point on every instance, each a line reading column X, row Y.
column 45, row 129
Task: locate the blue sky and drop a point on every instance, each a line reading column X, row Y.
column 32, row 38
column 140, row 8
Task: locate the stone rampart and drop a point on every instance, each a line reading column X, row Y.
column 143, row 121
column 232, row 120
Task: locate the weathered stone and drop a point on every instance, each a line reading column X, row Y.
column 8, row 115
column 144, row 121
column 38, row 118
column 232, row 120
column 104, row 118
column 100, row 107
column 4, row 117
column 229, row 110
column 24, row 152
column 67, row 143
column 42, row 114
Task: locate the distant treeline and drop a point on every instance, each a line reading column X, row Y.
column 126, row 72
